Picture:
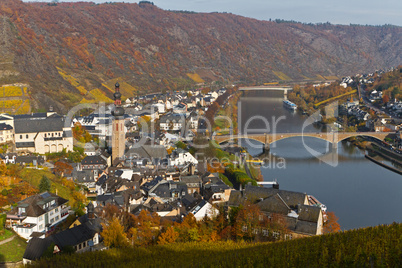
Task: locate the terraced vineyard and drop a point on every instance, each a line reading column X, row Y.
column 14, row 99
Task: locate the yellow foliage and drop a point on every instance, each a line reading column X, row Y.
column 98, row 95
column 72, row 80
column 126, row 89
column 82, row 90
column 196, row 78
column 11, row 91
column 270, row 84
column 334, row 98
column 25, row 107
column 333, row 77
column 281, row 75
column 10, row 104
column 25, row 90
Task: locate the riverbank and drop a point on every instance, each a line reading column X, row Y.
column 383, row 164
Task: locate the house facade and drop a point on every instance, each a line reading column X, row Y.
column 37, row 213
column 40, row 133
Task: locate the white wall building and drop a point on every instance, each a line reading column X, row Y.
column 37, row 213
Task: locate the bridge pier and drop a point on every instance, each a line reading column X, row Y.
column 265, row 148
column 334, row 145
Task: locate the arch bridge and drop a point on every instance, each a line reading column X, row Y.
column 332, row 137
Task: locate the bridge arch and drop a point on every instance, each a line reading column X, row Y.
column 333, row 138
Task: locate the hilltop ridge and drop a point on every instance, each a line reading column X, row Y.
column 70, row 53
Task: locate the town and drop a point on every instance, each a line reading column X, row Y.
column 141, row 171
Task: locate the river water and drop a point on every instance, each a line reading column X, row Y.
column 360, row 192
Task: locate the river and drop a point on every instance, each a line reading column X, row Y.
column 360, row 192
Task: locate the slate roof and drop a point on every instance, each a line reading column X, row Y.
column 148, row 151
column 148, row 186
column 34, row 204
column 93, row 160
column 166, row 190
column 4, row 126
column 38, row 124
column 191, row 179
column 101, row 180
column 26, row 159
column 235, row 198
column 255, row 193
column 73, row 236
column 274, row 204
column 35, row 248
column 309, row 213
column 84, row 176
column 70, row 237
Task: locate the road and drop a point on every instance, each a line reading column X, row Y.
column 369, row 104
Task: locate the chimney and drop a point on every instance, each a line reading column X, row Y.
column 298, row 208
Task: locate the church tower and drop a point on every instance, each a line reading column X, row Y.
column 118, row 135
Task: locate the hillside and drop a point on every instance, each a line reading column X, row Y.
column 370, row 247
column 70, row 53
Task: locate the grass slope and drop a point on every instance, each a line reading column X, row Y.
column 13, row 251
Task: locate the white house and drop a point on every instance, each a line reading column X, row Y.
column 6, row 133
column 181, row 157
column 204, row 209
column 172, row 122
column 37, row 213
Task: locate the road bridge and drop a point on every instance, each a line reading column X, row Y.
column 268, row 138
column 267, row 88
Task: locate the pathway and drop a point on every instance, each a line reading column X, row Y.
column 7, row 240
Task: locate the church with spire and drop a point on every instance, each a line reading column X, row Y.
column 118, row 134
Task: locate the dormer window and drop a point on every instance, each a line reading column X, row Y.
column 21, row 210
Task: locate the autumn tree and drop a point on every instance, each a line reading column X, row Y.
column 331, row 225
column 168, row 237
column 61, row 167
column 113, row 234
column 146, row 230
column 80, row 133
column 247, row 222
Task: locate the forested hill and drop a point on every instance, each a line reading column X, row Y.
column 74, row 52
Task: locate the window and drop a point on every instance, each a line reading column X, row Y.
column 56, row 210
column 79, row 246
column 26, row 136
column 40, row 227
column 276, row 234
column 84, row 244
column 20, row 137
column 265, row 232
column 244, row 228
column 57, row 218
column 40, row 218
column 52, row 134
column 45, row 135
column 288, row 236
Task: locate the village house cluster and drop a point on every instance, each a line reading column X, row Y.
column 143, row 170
